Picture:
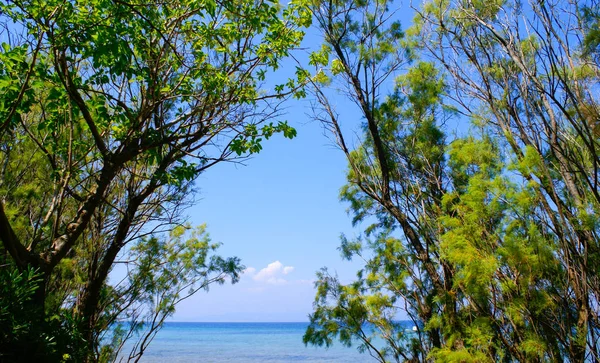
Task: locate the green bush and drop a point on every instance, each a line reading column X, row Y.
column 27, row 334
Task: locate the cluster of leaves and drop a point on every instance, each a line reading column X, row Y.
column 109, row 110
column 165, row 272
column 486, row 240
column 23, row 333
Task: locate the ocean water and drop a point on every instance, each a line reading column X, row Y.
column 243, row 342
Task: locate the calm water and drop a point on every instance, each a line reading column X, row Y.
column 242, row 342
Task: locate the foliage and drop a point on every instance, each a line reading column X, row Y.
column 486, row 240
column 109, row 110
column 23, row 335
column 165, row 272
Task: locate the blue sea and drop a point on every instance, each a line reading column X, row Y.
column 243, row 342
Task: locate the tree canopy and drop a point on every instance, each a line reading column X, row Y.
column 108, row 112
column 486, row 236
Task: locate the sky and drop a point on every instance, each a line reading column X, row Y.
column 281, row 214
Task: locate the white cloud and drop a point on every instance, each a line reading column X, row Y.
column 272, row 274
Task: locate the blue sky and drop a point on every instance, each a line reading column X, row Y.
column 281, row 215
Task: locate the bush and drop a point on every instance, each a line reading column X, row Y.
column 27, row 334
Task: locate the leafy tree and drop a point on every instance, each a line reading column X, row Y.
column 395, row 175
column 166, row 271
column 108, row 112
column 488, row 241
column 536, row 89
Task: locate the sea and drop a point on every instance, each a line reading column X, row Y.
column 243, row 343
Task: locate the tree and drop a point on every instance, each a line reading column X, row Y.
column 109, row 111
column 165, row 272
column 529, row 68
column 395, row 175
column 488, row 241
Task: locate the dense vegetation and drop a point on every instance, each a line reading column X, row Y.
column 476, row 173
column 108, row 112
column 487, row 236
